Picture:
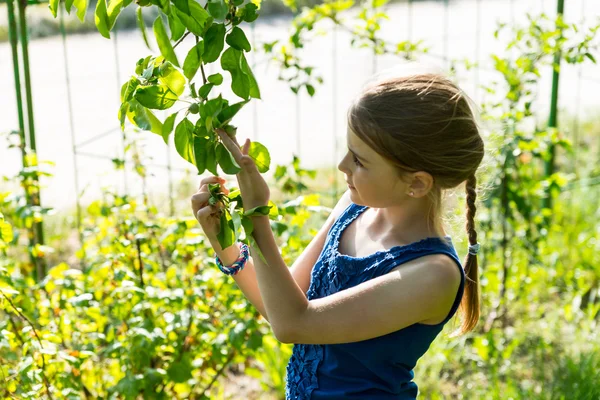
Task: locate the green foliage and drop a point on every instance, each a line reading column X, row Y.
column 149, row 314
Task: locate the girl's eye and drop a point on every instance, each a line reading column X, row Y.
column 356, row 160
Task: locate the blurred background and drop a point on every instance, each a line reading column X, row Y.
column 108, row 287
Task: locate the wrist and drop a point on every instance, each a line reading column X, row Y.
column 229, row 255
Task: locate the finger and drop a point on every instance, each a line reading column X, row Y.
column 200, row 199
column 231, row 145
column 221, row 181
column 246, row 148
column 210, row 179
column 206, row 212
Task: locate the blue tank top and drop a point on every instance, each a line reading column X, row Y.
column 377, row 368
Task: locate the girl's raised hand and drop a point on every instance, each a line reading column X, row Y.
column 253, row 187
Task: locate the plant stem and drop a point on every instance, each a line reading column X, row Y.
column 181, row 40
column 203, row 75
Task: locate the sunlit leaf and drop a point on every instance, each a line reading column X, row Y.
column 158, row 97
column 164, row 44
column 184, row 140
column 53, row 6
column 101, row 19
column 259, row 153
column 192, row 60
column 142, row 26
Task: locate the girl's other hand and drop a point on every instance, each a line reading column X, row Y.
column 208, row 215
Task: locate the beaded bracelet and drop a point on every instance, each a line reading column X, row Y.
column 238, row 265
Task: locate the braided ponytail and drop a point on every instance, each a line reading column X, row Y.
column 469, row 305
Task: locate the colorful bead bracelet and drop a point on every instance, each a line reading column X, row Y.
column 238, row 265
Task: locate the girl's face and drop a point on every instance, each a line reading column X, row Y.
column 372, row 180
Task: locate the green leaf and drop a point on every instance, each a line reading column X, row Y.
column 184, row 140
column 68, row 6
column 197, row 18
column 218, row 9
column 164, row 44
column 236, row 220
column 180, row 371
column 226, row 235
column 591, row 57
column 128, row 89
column 211, row 158
column 247, row 224
column 142, row 26
column 182, row 5
column 238, row 3
column 215, row 79
column 226, row 160
column 53, row 6
column 172, row 78
column 205, row 90
column 82, row 6
column 123, row 113
column 214, row 40
column 249, row 13
column 114, row 9
column 175, row 25
column 259, row 153
column 143, row 118
column 168, row 127
column 261, row 210
column 158, row 97
column 101, row 19
column 229, row 112
column 201, row 153
column 255, row 342
column 243, row 82
column 310, row 89
column 237, row 39
column 192, row 60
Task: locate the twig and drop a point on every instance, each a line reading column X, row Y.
column 203, row 75
column 181, row 40
column 218, row 374
column 12, row 321
column 46, row 382
column 202, row 65
column 139, row 254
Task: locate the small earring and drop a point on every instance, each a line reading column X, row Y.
column 412, row 193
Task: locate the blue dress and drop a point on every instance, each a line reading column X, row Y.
column 377, row 368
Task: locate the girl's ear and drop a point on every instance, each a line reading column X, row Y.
column 421, row 184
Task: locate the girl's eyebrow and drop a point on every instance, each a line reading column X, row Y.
column 357, row 156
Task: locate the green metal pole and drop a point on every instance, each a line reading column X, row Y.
column 36, row 200
column 13, row 38
column 26, row 75
column 552, row 119
column 12, row 35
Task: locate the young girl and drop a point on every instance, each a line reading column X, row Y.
column 380, row 280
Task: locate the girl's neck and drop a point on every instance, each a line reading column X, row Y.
column 408, row 222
